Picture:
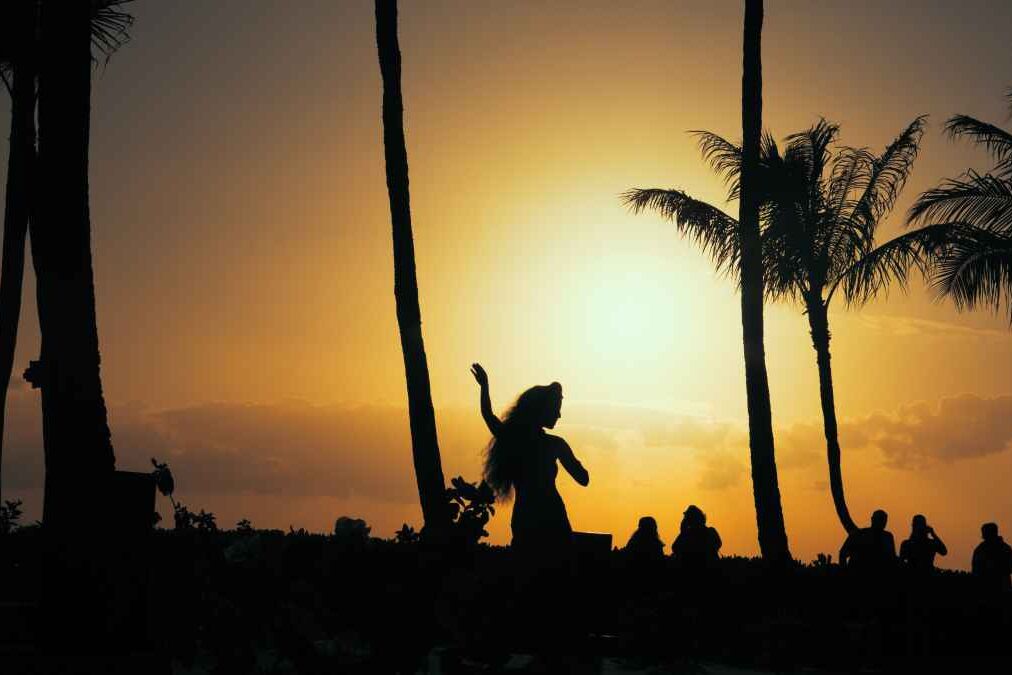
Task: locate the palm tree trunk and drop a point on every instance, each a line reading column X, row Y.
column 818, row 322
column 424, row 444
column 20, row 166
column 765, row 489
column 76, row 436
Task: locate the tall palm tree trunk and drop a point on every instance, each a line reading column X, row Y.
column 766, row 491
column 20, row 166
column 424, row 444
column 818, row 322
column 78, row 448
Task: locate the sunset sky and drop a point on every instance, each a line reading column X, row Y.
column 244, row 273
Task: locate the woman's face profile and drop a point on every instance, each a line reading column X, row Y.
column 553, row 412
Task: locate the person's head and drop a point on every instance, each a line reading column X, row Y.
column 989, row 531
column 919, row 525
column 538, row 407
column 879, row 520
column 693, row 517
column 648, row 524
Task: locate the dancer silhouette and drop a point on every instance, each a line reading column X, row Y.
column 521, row 460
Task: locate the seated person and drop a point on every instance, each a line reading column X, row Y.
column 697, row 545
column 645, row 544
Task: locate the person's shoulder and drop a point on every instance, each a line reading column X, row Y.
column 556, row 441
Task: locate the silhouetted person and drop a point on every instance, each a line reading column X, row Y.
column 645, row 545
column 919, row 551
column 992, row 560
column 871, row 549
column 522, row 460
column 696, row 547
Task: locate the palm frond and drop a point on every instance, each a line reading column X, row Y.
column 723, row 156
column 110, row 26
column 714, row 231
column 995, row 140
column 977, row 270
column 811, row 146
column 871, row 275
column 984, row 201
column 888, row 174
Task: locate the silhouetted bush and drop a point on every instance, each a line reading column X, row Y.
column 10, row 514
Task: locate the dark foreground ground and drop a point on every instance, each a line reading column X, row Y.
column 274, row 602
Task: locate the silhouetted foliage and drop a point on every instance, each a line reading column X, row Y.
column 351, row 529
column 406, row 535
column 244, row 526
column 964, row 247
column 819, row 213
column 187, row 520
column 10, row 514
column 470, row 506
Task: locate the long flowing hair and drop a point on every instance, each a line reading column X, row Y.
column 520, row 426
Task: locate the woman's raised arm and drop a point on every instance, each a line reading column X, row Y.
column 493, row 423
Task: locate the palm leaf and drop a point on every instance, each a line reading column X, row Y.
column 977, row 270
column 110, row 26
column 984, row 201
column 888, row 174
column 995, row 140
column 872, row 274
column 714, row 231
column 723, row 156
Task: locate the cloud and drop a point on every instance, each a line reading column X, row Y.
column 297, row 449
column 290, row 447
column 907, row 326
column 957, row 428
column 720, row 470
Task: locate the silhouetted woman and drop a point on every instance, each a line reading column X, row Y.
column 645, row 544
column 521, row 460
column 697, row 545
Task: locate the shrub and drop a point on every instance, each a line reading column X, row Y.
column 10, row 514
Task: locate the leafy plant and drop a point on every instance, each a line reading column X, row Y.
column 351, row 528
column 471, row 506
column 244, row 526
column 187, row 520
column 406, row 535
column 10, row 514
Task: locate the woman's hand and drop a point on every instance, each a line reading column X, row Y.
column 480, row 376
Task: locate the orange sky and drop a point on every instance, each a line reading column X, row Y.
column 244, row 268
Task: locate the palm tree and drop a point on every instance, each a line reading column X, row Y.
column 424, row 444
column 973, row 213
column 18, row 73
column 819, row 214
column 76, row 438
column 765, row 489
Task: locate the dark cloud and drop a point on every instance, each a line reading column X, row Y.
column 962, row 427
column 293, row 448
